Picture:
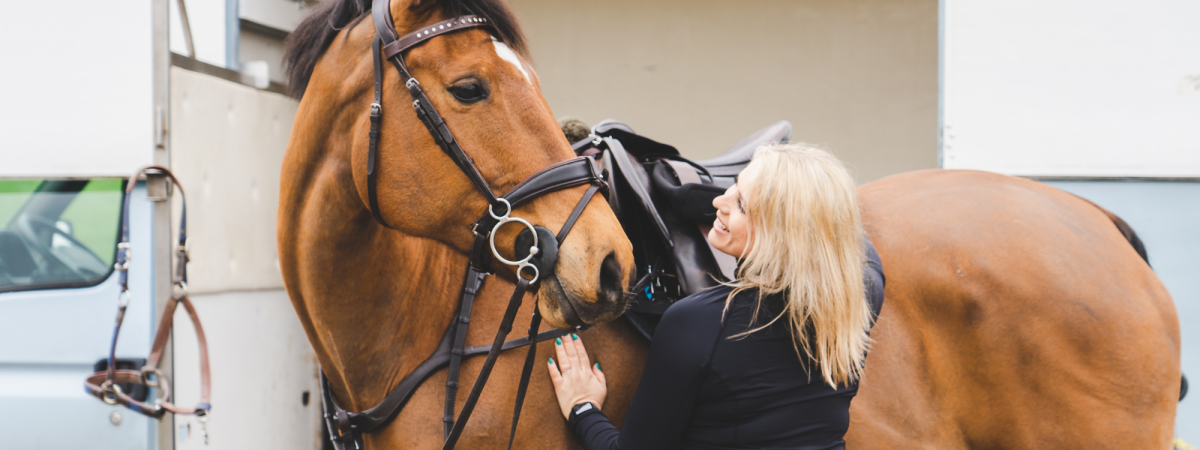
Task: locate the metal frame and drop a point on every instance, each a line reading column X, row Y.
column 161, row 229
column 198, row 66
column 233, row 36
column 941, row 89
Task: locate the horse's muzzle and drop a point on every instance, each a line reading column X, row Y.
column 609, row 298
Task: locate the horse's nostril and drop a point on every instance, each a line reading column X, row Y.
column 611, row 288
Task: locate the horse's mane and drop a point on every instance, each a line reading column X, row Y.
column 308, row 42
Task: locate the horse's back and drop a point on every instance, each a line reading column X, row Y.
column 1017, row 316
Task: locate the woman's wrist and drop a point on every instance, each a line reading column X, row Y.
column 580, row 412
column 583, row 407
column 573, row 405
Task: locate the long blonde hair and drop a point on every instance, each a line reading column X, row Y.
column 807, row 244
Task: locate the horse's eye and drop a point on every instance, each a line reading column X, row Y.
column 469, row 92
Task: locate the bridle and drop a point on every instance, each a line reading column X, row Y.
column 537, row 247
column 104, row 384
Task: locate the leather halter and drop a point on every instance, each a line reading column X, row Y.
column 348, row 427
column 103, row 385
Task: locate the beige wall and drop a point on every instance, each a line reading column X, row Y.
column 857, row 76
column 227, row 145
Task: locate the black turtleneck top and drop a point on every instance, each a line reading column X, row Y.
column 703, row 390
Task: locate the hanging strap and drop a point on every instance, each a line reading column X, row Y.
column 510, row 314
column 104, row 385
column 471, row 286
column 526, row 374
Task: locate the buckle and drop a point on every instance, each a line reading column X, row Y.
column 179, row 290
column 109, row 388
column 146, row 372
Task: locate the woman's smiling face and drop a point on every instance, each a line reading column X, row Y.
column 731, row 230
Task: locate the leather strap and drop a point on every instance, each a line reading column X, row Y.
column 366, row 421
column 398, row 46
column 570, row 173
column 639, row 185
column 510, row 314
column 373, row 146
column 471, row 286
column 102, row 385
column 526, row 372
column 583, row 202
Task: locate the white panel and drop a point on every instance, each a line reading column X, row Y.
column 52, row 337
column 207, row 20
column 53, row 327
column 77, row 91
column 280, row 14
column 1072, row 87
column 262, row 364
column 227, row 146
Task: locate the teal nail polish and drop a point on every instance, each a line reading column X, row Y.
column 574, row 336
column 597, row 366
column 552, row 361
column 557, row 341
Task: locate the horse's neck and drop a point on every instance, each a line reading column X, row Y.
column 377, row 302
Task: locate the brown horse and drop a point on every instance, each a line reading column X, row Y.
column 374, row 301
column 1017, row 316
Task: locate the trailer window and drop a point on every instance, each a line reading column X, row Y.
column 58, row 233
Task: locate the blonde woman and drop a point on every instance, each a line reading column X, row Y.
column 771, row 360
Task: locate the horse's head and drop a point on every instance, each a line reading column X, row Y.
column 491, row 100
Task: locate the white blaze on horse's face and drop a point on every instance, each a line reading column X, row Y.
column 507, row 54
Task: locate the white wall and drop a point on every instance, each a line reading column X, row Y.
column 227, row 147
column 77, row 93
column 207, row 21
column 1072, row 87
column 262, row 364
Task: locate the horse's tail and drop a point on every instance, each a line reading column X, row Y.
column 1125, row 230
column 1140, row 248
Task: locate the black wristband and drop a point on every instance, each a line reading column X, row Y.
column 581, row 408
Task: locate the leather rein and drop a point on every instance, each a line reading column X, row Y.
column 347, row 427
column 104, row 384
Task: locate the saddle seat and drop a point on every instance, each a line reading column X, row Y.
column 735, row 158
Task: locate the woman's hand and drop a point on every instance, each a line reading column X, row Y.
column 575, row 379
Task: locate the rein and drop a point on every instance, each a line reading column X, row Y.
column 347, row 427
column 103, row 385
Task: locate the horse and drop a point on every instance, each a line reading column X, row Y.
column 1016, row 315
column 374, row 300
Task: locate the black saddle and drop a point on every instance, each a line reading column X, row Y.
column 664, row 203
